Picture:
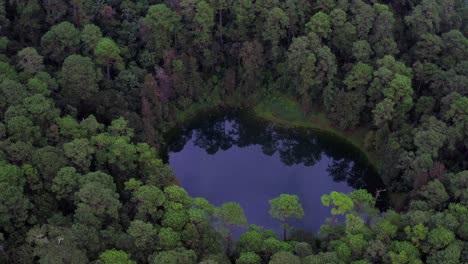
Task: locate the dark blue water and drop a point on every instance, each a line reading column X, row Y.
column 233, row 157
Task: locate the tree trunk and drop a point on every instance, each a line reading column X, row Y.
column 221, row 24
column 108, row 69
column 76, row 15
column 284, row 231
column 228, row 244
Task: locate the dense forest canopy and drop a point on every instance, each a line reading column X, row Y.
column 88, row 89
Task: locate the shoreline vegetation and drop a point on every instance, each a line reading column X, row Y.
column 284, row 111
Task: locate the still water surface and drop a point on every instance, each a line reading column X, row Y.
column 230, row 156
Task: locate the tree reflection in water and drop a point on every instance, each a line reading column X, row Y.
column 220, row 131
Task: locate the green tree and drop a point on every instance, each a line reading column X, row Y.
column 457, row 115
column 60, row 41
column 90, row 36
column 283, row 207
column 243, row 20
column 7, row 72
column 284, row 257
column 30, row 61
column 65, row 184
column 275, row 29
column 434, row 194
column 440, row 237
column 78, row 79
column 37, row 86
column 403, row 252
column 52, row 244
column 319, row 24
column 144, row 237
column 400, row 91
column 220, row 6
column 424, row 18
column 12, row 93
column 107, row 53
column 341, row 203
column 359, row 76
column 416, row 233
column 452, row 254
column 249, row 258
column 150, row 199
column 458, row 186
column 362, row 51
column 168, row 238
column 163, row 26
column 344, row 33
column 204, row 20
column 80, row 152
column 14, row 204
column 114, row 256
column 229, row 215
column 174, row 257
column 383, row 112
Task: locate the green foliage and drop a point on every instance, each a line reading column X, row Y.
column 359, row 76
column 251, row 241
column 275, row 28
column 341, row 203
column 440, row 237
column 90, row 36
column 114, row 256
column 168, row 238
column 284, row 207
column 249, row 258
column 80, row 152
column 231, row 214
column 14, row 205
column 65, row 184
column 107, row 52
column 60, row 41
column 403, row 252
column 319, row 24
column 204, row 19
column 30, row 61
column 7, row 71
column 284, row 257
column 78, row 78
column 82, row 177
column 175, row 257
column 150, row 198
column 167, row 24
column 144, row 235
column 176, row 194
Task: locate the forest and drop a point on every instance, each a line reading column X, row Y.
column 90, row 88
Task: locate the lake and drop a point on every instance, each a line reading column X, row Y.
column 229, row 155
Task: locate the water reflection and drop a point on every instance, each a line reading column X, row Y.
column 230, row 156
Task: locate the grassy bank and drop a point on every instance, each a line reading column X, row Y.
column 285, row 111
column 192, row 111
